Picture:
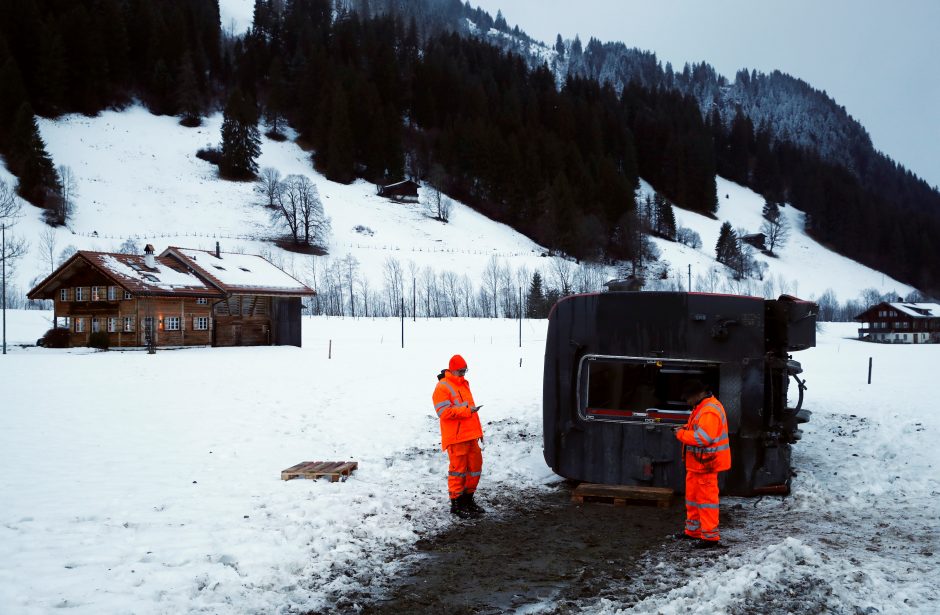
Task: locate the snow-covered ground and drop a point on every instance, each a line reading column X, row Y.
column 150, row 484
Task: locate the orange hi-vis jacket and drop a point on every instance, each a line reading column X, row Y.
column 707, row 448
column 452, row 403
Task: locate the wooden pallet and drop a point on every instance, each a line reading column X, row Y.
column 620, row 495
column 336, row 470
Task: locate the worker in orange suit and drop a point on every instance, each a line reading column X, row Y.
column 707, row 452
column 461, row 433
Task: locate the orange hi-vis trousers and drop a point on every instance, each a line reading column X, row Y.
column 701, row 505
column 466, row 463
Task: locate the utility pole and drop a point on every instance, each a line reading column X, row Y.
column 689, row 289
column 414, row 299
column 520, row 317
column 3, row 257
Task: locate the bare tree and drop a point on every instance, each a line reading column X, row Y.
column 777, row 232
column 67, row 253
column 451, row 284
column 300, row 209
column 129, row 247
column 491, row 283
column 350, row 269
column 13, row 246
column 269, row 185
column 47, row 247
column 9, row 204
column 394, row 285
column 562, row 272
column 436, row 203
column 64, row 207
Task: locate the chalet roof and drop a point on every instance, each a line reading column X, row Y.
column 238, row 273
column 914, row 310
column 402, row 184
column 918, row 310
column 130, row 271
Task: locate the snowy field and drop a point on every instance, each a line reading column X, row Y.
column 150, row 484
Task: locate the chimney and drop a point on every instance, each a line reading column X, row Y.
column 148, row 257
column 218, row 254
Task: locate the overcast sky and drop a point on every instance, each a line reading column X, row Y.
column 878, row 59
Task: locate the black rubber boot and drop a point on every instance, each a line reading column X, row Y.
column 683, row 536
column 708, row 544
column 456, row 508
column 472, row 507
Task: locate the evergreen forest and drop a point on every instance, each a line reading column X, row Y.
column 386, row 94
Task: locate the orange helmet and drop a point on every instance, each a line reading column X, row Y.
column 456, row 362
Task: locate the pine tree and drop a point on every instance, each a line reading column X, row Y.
column 188, row 98
column 535, row 302
column 38, row 182
column 727, row 250
column 665, row 218
column 560, row 47
column 241, row 143
column 340, row 156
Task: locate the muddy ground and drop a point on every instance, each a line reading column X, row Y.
column 531, row 553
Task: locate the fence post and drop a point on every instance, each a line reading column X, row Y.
column 869, row 370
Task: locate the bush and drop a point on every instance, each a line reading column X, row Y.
column 56, row 337
column 210, row 154
column 689, row 237
column 99, row 339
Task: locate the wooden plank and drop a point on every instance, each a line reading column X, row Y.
column 633, row 492
column 620, row 495
column 335, row 470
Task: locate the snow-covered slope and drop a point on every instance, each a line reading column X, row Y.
column 138, row 177
column 802, row 267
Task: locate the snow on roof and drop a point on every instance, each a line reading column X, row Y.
column 243, row 271
column 918, row 310
column 162, row 276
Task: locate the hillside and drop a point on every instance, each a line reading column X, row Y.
column 138, row 178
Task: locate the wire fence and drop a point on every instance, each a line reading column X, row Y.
column 335, row 245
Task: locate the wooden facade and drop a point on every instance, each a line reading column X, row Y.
column 91, row 294
column 404, row 191
column 901, row 323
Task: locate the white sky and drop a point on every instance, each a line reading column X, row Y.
column 875, row 58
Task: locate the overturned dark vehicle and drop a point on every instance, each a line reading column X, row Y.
column 614, row 366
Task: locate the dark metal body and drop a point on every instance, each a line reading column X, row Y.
column 614, row 363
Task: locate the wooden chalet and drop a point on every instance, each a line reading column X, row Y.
column 403, row 192
column 182, row 297
column 901, row 323
column 758, row 240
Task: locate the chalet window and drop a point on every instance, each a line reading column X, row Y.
column 95, row 326
column 171, row 323
column 112, row 293
column 96, row 294
column 202, row 301
column 219, row 268
column 127, row 295
column 64, row 294
column 79, row 293
column 128, row 323
column 201, row 323
column 79, row 325
column 112, row 324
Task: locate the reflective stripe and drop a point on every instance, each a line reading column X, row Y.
column 456, row 474
column 475, row 473
column 453, row 393
column 442, row 406
column 700, row 436
column 700, row 504
column 712, row 449
column 705, row 438
column 692, row 524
